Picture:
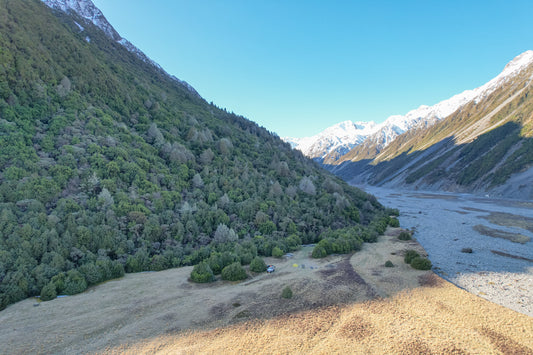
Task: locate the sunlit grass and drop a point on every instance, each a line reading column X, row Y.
column 439, row 318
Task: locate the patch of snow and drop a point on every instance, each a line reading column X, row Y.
column 79, row 26
column 344, row 136
column 340, row 138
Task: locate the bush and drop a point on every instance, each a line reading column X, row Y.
column 202, row 273
column 404, row 235
column 394, row 222
column 246, row 258
column 59, row 282
column 410, row 255
column 258, row 265
column 234, row 272
column 117, row 269
column 389, row 263
column 91, row 273
column 75, row 283
column 319, row 252
column 420, row 263
column 370, row 235
column 286, row 293
column 277, row 252
column 218, row 261
column 48, row 292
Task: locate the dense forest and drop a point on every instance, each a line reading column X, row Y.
column 108, row 165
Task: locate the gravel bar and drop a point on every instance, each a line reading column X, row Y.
column 497, row 269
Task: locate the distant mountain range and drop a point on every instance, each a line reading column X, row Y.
column 334, row 142
column 476, row 141
column 339, row 139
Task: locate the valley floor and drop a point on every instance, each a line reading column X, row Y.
column 151, row 305
column 499, row 233
column 438, row 318
column 341, row 304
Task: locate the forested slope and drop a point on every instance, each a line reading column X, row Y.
column 109, row 165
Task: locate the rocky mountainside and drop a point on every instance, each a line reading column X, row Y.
column 109, row 165
column 330, row 146
column 485, row 146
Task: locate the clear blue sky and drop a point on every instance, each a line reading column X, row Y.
column 299, row 66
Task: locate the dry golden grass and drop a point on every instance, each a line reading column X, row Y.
column 331, row 312
column 496, row 233
column 438, row 318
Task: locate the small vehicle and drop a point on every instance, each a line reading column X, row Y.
column 271, row 268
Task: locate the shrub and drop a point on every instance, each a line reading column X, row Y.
column 286, row 293
column 233, row 272
column 370, row 235
column 277, row 252
column 420, row 263
column 91, row 273
column 75, row 283
column 394, row 222
column 404, row 235
column 410, row 255
column 218, row 261
column 389, row 263
column 117, row 269
column 246, row 258
column 392, row 212
column 319, row 252
column 59, row 282
column 258, row 265
column 48, row 292
column 202, row 273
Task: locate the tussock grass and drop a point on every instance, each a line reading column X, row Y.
column 510, row 220
column 439, row 318
column 496, row 233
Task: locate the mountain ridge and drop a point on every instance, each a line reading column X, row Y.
column 91, row 13
column 325, row 148
column 485, row 147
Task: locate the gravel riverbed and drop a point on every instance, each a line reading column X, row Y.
column 497, row 269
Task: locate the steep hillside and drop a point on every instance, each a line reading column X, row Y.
column 108, row 165
column 486, row 146
column 349, row 142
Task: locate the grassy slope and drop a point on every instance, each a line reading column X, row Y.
column 436, row 319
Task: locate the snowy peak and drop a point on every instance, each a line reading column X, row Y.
column 347, row 135
column 519, row 63
column 339, row 138
column 87, row 10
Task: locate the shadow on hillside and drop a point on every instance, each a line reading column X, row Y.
column 482, row 165
column 445, row 224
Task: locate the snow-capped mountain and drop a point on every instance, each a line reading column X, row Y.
column 339, row 138
column 87, row 10
column 334, row 139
